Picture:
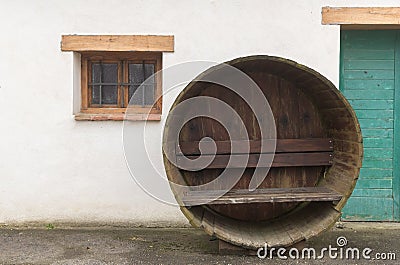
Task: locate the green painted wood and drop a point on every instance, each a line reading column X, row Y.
column 376, row 123
column 368, row 209
column 378, row 44
column 377, row 163
column 368, row 54
column 369, row 94
column 377, row 193
column 369, row 74
column 396, row 158
column 377, row 173
column 378, row 142
column 370, row 183
column 378, row 153
column 382, row 40
column 375, row 114
column 372, row 104
column 367, row 84
column 380, row 133
column 363, row 43
column 367, row 79
column 368, row 64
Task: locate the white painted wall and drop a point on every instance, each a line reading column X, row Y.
column 55, row 168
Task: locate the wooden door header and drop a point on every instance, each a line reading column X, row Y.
column 383, row 17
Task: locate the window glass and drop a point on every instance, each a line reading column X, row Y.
column 105, row 83
column 138, row 73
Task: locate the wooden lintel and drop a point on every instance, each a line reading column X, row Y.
column 153, row 43
column 361, row 15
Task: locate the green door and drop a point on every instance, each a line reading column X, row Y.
column 370, row 80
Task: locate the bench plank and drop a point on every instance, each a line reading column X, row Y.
column 280, row 160
column 240, row 196
column 282, row 146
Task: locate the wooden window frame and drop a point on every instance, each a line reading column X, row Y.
column 126, row 47
column 117, row 112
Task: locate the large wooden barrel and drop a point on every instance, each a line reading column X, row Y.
column 314, row 171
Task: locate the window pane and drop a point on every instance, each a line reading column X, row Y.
column 96, row 73
column 102, row 75
column 149, row 88
column 110, row 73
column 105, row 73
column 135, row 95
column 149, row 94
column 95, row 94
column 109, row 95
column 138, row 73
column 149, row 71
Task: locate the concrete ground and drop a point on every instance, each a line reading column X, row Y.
column 108, row 245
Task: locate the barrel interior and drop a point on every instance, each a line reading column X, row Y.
column 296, row 117
column 305, row 105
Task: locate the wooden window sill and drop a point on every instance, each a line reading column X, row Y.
column 117, row 117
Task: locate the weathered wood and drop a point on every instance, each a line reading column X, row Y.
column 84, row 82
column 361, row 15
column 348, row 158
column 254, row 146
column 310, row 221
column 130, row 110
column 278, row 91
column 194, row 216
column 361, row 54
column 226, row 248
column 370, row 74
column 375, row 114
column 280, row 160
column 368, row 84
column 348, row 147
column 207, row 223
column 370, row 57
column 348, row 135
column 115, row 112
column 382, row 207
column 116, row 117
column 304, row 105
column 367, row 65
column 153, row 43
column 263, row 195
column 396, row 142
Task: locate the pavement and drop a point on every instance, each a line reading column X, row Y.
column 52, row 244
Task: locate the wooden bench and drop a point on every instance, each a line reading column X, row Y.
column 288, row 153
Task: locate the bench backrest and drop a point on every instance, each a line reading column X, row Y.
column 288, row 152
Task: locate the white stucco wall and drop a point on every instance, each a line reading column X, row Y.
column 55, row 168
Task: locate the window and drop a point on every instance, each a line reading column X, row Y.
column 112, row 81
column 117, row 72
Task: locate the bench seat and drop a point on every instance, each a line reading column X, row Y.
column 239, row 196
